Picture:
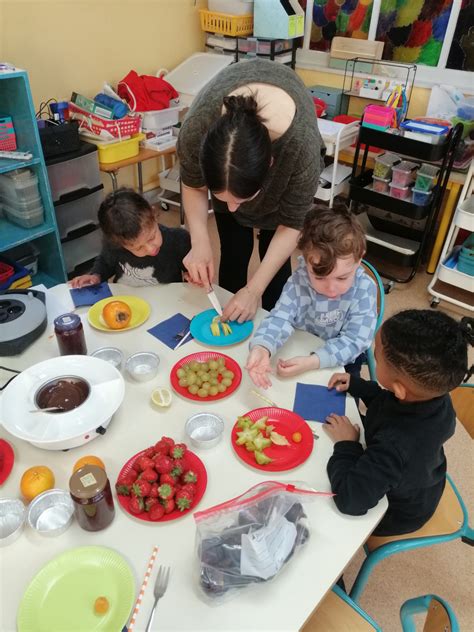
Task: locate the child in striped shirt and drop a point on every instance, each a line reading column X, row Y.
column 328, row 295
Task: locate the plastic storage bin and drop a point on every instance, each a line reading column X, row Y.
column 401, row 193
column 25, row 255
column 466, row 256
column 404, row 173
column 234, row 7
column 424, row 132
column 80, row 212
column 381, row 185
column 421, row 198
column 20, row 185
column 81, row 249
column 384, row 164
column 160, row 119
column 28, row 219
column 226, row 24
column 124, row 149
column 74, row 172
column 425, row 177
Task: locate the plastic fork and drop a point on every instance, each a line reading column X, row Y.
column 161, row 584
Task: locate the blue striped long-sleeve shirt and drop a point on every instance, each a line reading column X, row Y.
column 346, row 324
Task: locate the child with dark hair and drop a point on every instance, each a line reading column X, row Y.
column 136, row 250
column 328, row 295
column 421, row 356
column 251, row 139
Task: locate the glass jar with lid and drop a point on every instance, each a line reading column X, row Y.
column 92, row 496
column 70, row 335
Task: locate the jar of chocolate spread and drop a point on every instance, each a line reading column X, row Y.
column 92, row 496
column 70, row 335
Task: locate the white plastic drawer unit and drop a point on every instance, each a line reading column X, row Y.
column 78, row 210
column 74, row 172
column 82, row 248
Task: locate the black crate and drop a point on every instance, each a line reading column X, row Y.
column 59, row 139
column 401, row 145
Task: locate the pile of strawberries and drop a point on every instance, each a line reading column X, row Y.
column 159, row 481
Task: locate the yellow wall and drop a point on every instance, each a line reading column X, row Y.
column 74, row 45
column 418, row 101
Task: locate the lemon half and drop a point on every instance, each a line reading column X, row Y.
column 161, row 397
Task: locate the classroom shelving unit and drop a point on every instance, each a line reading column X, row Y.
column 16, row 101
column 449, row 283
column 387, row 240
column 241, row 48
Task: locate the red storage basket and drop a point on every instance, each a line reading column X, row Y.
column 126, row 126
column 6, row 272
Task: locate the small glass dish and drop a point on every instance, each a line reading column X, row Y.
column 12, row 520
column 51, row 512
column 142, row 366
column 204, row 430
column 110, row 354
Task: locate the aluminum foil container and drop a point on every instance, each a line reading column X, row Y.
column 110, row 354
column 51, row 512
column 142, row 366
column 12, row 519
column 204, row 430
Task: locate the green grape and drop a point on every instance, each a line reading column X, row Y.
column 226, row 381
column 193, row 389
column 194, row 366
column 202, row 374
column 206, row 385
column 191, row 377
column 221, row 388
column 202, row 392
column 205, row 366
column 221, row 361
column 213, row 365
column 213, row 390
column 181, row 373
column 198, row 381
column 213, row 373
column 228, row 374
column 213, row 381
column 183, row 382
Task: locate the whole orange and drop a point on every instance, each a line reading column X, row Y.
column 88, row 460
column 117, row 314
column 36, row 480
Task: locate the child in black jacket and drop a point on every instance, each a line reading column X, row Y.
column 421, row 355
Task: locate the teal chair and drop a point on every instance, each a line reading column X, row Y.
column 373, row 274
column 337, row 612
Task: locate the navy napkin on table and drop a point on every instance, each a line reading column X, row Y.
column 315, row 403
column 90, row 294
column 167, row 330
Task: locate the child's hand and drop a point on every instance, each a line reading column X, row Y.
column 85, row 279
column 339, row 428
column 258, row 366
column 297, row 365
column 340, row 381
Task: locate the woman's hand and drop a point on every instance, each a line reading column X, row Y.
column 339, row 381
column 258, row 366
column 242, row 306
column 339, row 428
column 297, row 365
column 84, row 280
column 199, row 263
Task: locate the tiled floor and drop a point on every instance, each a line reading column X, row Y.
column 446, row 570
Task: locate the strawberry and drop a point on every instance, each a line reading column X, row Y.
column 167, row 478
column 128, row 479
column 144, row 463
column 141, row 488
column 150, row 452
column 189, row 477
column 189, row 487
column 183, row 500
column 178, row 450
column 165, row 491
column 169, row 441
column 169, row 505
column 153, row 491
column 150, row 502
column 157, row 512
column 135, row 505
column 178, row 467
column 123, row 490
column 163, row 464
column 162, row 447
column 149, row 475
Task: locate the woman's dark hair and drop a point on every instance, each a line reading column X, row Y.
column 124, row 214
column 430, row 347
column 334, row 233
column 236, row 152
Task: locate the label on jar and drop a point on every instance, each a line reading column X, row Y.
column 88, row 480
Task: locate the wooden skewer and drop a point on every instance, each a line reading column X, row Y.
column 265, row 399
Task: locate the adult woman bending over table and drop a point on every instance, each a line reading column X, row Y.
column 251, row 138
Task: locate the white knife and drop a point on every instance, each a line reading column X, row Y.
column 214, row 302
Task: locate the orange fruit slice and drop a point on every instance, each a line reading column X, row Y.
column 88, row 460
column 36, row 480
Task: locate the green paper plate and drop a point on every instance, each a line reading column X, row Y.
column 61, row 597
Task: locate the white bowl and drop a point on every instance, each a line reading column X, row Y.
column 50, row 513
column 12, row 519
column 204, row 430
column 142, row 366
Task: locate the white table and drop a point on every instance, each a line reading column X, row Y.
column 283, row 604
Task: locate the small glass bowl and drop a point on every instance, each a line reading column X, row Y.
column 204, row 430
column 110, row 354
column 51, row 512
column 12, row 519
column 142, row 366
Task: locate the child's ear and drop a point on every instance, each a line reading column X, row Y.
column 399, row 390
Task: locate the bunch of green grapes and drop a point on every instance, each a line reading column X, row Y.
column 205, row 378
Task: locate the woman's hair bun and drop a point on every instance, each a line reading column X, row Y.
column 241, row 105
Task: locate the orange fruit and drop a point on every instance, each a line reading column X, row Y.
column 101, row 605
column 117, row 314
column 36, row 480
column 297, row 437
column 88, row 460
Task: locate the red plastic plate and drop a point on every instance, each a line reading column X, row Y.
column 205, row 356
column 193, row 462
column 7, row 458
column 286, row 423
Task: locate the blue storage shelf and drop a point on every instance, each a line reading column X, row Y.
column 10, row 165
column 12, row 235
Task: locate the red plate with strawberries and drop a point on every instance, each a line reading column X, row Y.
column 158, row 484
column 227, row 374
column 289, row 426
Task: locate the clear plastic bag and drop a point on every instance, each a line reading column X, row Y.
column 249, row 539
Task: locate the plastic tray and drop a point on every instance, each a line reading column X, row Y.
column 28, row 219
column 404, row 173
column 82, row 211
column 114, row 152
column 226, row 24
column 74, row 172
column 19, row 188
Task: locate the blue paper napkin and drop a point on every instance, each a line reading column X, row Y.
column 90, row 294
column 167, row 330
column 315, row 403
